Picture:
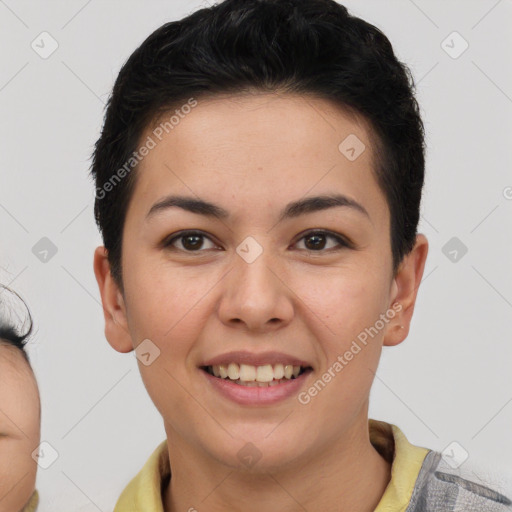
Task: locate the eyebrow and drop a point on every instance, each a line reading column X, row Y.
column 291, row 210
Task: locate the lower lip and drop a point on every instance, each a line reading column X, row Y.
column 255, row 395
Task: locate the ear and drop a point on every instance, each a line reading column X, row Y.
column 114, row 309
column 404, row 291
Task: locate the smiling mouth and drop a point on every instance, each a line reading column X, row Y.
column 256, row 376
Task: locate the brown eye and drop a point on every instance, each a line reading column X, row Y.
column 316, row 241
column 190, row 241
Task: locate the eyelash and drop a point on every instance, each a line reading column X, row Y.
column 342, row 242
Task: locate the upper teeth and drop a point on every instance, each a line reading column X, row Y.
column 249, row 373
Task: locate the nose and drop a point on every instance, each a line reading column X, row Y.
column 256, row 296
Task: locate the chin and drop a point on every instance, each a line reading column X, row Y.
column 260, row 452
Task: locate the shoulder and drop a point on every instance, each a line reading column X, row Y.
column 441, row 488
column 143, row 492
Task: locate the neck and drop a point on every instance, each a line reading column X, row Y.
column 348, row 475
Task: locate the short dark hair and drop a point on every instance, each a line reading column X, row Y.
column 312, row 47
column 12, row 331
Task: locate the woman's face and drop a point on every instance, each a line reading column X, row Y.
column 263, row 281
column 19, row 429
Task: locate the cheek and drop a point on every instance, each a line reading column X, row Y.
column 157, row 296
column 170, row 307
column 17, row 472
column 344, row 302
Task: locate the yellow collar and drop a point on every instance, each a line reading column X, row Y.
column 406, row 460
column 31, row 506
column 144, row 492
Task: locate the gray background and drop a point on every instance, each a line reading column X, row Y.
column 451, row 380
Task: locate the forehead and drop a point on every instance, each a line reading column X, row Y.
column 17, row 377
column 19, row 395
column 253, row 146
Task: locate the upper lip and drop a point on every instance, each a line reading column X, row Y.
column 255, row 359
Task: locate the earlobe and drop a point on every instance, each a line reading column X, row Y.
column 404, row 291
column 114, row 310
